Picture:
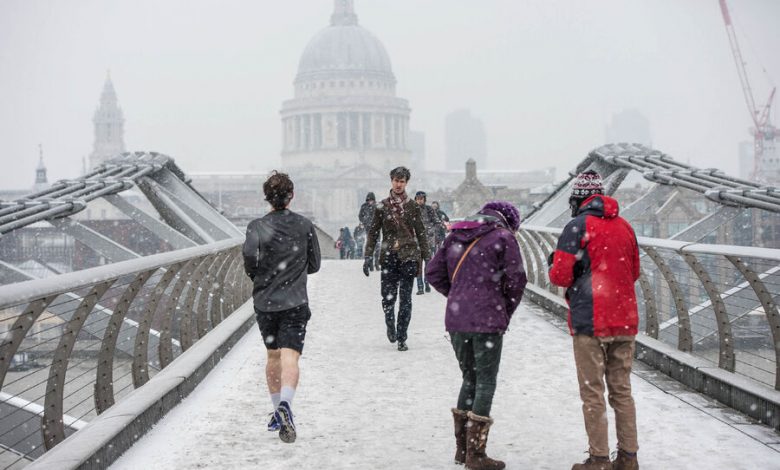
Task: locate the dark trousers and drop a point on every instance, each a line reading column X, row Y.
column 377, row 252
column 421, row 281
column 479, row 355
column 398, row 276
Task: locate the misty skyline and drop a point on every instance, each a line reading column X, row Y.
column 204, row 82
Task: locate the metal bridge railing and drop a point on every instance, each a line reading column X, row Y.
column 717, row 302
column 73, row 345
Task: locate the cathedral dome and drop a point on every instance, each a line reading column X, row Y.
column 344, row 49
column 345, row 112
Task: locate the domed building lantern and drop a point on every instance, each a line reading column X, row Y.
column 345, row 111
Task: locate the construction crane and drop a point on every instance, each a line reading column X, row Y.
column 764, row 133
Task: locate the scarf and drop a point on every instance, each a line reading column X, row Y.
column 396, row 205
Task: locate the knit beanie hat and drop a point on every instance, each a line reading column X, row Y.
column 587, row 184
column 510, row 212
column 370, row 197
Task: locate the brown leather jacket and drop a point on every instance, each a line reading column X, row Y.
column 408, row 239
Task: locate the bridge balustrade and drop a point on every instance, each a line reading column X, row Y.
column 75, row 344
column 708, row 315
column 717, row 302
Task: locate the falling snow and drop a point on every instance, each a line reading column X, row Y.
column 360, row 400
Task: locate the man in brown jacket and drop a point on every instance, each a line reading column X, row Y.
column 404, row 246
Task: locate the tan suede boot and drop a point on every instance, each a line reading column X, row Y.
column 477, row 431
column 594, row 463
column 461, row 418
column 625, row 461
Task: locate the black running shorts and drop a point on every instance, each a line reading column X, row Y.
column 284, row 329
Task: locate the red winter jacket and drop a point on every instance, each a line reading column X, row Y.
column 597, row 260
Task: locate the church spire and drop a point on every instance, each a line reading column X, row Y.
column 109, row 126
column 343, row 13
column 40, row 157
column 108, row 96
column 41, row 181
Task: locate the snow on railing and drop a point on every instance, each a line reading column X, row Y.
column 73, row 345
column 718, row 302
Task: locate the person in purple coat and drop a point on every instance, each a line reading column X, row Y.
column 480, row 270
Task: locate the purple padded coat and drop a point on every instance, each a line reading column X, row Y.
column 491, row 279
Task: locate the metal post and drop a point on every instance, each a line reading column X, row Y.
column 104, row 381
column 770, row 308
column 651, row 312
column 141, row 349
column 684, row 338
column 52, row 424
column 165, row 347
column 529, row 267
column 726, row 357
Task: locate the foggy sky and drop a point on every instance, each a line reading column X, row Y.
column 203, row 80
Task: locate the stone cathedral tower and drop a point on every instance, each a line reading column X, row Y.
column 109, row 127
column 345, row 112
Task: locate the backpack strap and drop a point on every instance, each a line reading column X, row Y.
column 457, row 267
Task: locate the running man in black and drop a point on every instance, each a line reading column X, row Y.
column 281, row 249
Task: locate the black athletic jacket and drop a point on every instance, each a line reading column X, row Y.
column 281, row 248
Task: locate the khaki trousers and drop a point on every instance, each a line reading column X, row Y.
column 610, row 357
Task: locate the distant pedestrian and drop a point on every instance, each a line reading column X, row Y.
column 360, row 240
column 442, row 228
column 366, row 215
column 404, row 247
column 280, row 250
column 597, row 260
column 480, row 270
column 345, row 244
column 430, row 222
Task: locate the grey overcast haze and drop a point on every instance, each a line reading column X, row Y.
column 203, row 80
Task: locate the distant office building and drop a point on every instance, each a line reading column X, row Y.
column 768, row 170
column 746, row 159
column 465, row 139
column 630, row 126
column 109, row 127
column 769, row 166
column 417, row 146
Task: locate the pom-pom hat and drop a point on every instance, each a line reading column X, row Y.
column 587, row 184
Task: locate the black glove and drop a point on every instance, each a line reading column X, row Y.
column 367, row 265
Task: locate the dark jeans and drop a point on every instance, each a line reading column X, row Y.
column 478, row 357
column 377, row 251
column 421, row 281
column 398, row 276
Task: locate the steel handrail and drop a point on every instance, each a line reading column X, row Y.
column 201, row 299
column 686, row 247
column 676, row 293
column 27, row 291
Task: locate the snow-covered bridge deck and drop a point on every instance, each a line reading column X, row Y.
column 362, row 404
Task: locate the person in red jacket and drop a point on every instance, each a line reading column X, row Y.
column 597, row 261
